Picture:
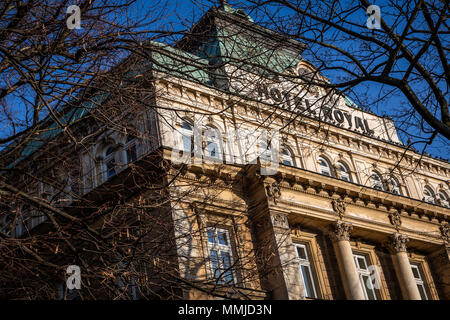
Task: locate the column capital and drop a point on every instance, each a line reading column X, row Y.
column 342, row 231
column 399, row 242
column 279, row 220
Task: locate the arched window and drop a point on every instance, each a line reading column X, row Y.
column 444, row 199
column 324, row 167
column 376, row 181
column 394, row 186
column 130, row 149
column 343, row 171
column 213, row 143
column 428, row 195
column 187, row 136
column 286, row 156
column 110, row 162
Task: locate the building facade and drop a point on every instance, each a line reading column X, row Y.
column 279, row 189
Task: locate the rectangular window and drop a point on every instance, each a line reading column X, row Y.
column 419, row 280
column 306, row 270
column 364, row 276
column 221, row 255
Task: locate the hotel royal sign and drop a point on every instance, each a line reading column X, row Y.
column 326, row 113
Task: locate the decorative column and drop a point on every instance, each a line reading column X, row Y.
column 403, row 268
column 346, row 262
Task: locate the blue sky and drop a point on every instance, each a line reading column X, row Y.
column 178, row 15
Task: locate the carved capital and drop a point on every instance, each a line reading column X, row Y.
column 338, row 207
column 399, row 242
column 279, row 220
column 395, row 219
column 342, row 231
column 273, row 191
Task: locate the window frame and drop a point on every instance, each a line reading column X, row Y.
column 420, row 281
column 431, row 196
column 444, row 202
column 317, row 258
column 187, row 134
column 289, row 157
column 377, row 183
column 219, row 248
column 109, row 158
column 215, row 139
column 308, row 264
column 395, row 187
column 339, row 165
column 364, row 273
column 328, row 166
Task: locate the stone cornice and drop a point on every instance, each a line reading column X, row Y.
column 358, row 222
column 306, row 181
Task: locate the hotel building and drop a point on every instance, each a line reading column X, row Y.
column 346, row 211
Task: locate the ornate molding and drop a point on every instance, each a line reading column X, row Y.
column 342, row 231
column 279, row 220
column 273, row 191
column 338, row 207
column 399, row 242
column 445, row 232
column 395, row 219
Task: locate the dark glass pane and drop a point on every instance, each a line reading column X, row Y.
column 422, row 293
column 370, row 292
column 287, row 162
column 307, row 278
column 222, row 238
column 301, row 252
column 415, row 271
column 109, row 151
column 111, row 168
column 212, row 149
column 226, row 266
column 362, row 264
column 215, row 263
column 211, row 235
